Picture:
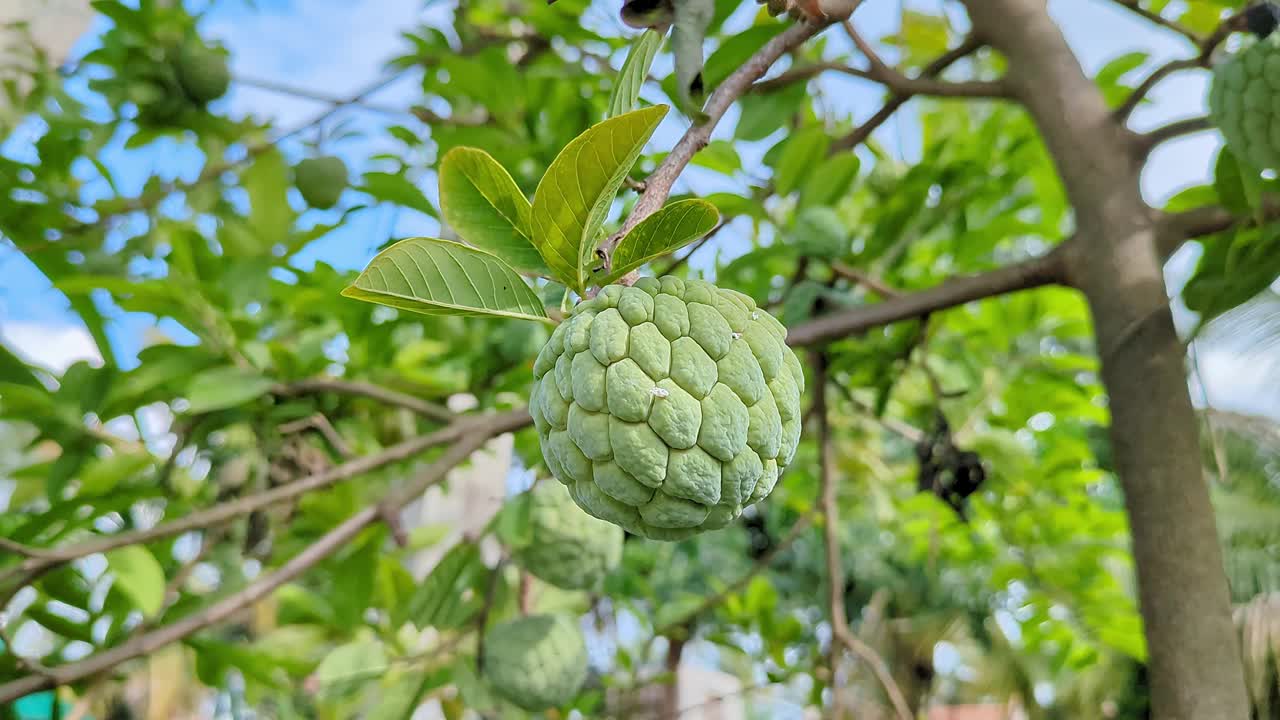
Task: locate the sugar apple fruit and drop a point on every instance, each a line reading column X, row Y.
column 321, row 180
column 536, row 662
column 203, row 74
column 1244, row 100
column 667, row 407
column 568, row 548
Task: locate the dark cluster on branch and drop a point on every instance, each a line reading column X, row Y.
column 947, row 471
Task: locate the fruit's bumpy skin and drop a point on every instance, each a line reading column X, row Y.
column 1244, row 103
column 568, row 548
column 667, row 407
column 536, row 662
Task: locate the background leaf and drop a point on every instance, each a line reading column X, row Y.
column 439, row 277
column 139, row 576
column 225, row 387
column 575, row 194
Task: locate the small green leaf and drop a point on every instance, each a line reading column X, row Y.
column 104, row 474
column 439, row 277
column 225, row 387
column 139, row 576
column 513, row 523
column 574, row 196
column 634, row 72
column 735, row 50
column 801, row 154
column 669, row 229
column 396, row 189
column 270, row 216
column 1228, row 181
column 485, row 206
column 830, row 180
column 719, row 155
column 438, row 601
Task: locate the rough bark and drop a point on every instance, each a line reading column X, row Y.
column 1194, row 662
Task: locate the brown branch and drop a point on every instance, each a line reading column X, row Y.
column 926, row 84
column 1202, row 59
column 866, row 280
column 485, row 427
column 1135, row 7
column 842, row 636
column 658, row 184
column 1047, row 269
column 680, row 261
column 860, row 134
column 1176, row 228
column 359, row 388
column 1148, row 141
column 806, row 72
column 330, row 543
column 25, row 551
column 320, row 424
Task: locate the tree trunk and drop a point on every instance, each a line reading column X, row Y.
column 1195, row 664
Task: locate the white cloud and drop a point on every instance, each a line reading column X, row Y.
column 53, row 347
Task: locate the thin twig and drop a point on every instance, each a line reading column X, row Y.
column 229, row 606
column 659, row 183
column 866, row 280
column 843, row 636
column 320, row 423
column 926, row 84
column 482, row 619
column 360, row 388
column 761, row 564
column 281, row 88
column 25, row 551
column 1148, row 141
column 860, row 134
column 485, row 427
column 680, row 261
column 1135, row 7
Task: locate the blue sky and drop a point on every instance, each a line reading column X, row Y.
column 337, row 47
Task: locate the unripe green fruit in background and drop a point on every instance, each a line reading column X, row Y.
column 536, row 662
column 203, row 73
column 667, row 407
column 321, row 180
column 568, row 548
column 1244, row 103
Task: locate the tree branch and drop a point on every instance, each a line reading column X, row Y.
column 842, row 636
column 860, row 134
column 1047, row 269
column 1206, row 46
column 866, row 280
column 1149, row 140
column 1174, row 229
column 925, row 84
column 1136, row 8
column 482, row 427
column 359, row 388
column 330, row 543
column 658, row 184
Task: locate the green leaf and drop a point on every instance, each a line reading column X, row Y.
column 485, row 206
column 801, row 154
column 513, row 523
column 634, row 72
column 1229, row 182
column 439, row 277
column 139, row 576
column 439, row 601
column 270, row 217
column 669, row 229
column 719, row 155
column 575, row 194
column 764, row 113
column 104, row 474
column 225, row 387
column 830, row 180
column 396, row 189
column 350, row 665
column 68, row 629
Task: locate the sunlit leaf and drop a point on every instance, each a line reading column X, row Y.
column 483, row 204
column 634, row 72
column 439, row 277
column 139, row 576
column 667, row 230
column 575, row 194
column 225, row 387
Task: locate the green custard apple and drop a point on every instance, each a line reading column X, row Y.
column 568, row 548
column 1244, row 101
column 203, row 74
column 321, row 180
column 667, row 407
column 536, row 662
